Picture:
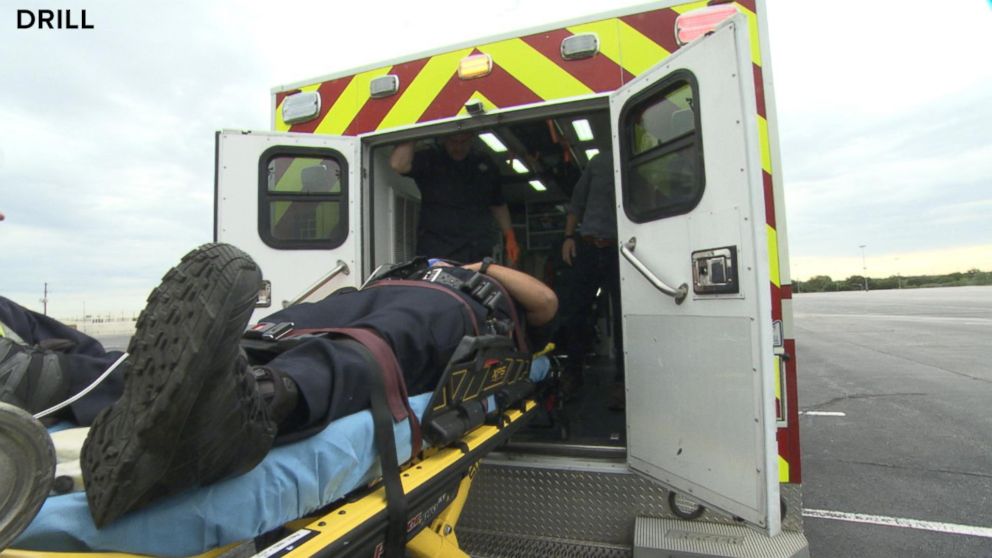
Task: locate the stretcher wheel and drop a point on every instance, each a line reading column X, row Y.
column 27, row 470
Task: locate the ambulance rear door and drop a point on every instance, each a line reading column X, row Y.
column 291, row 201
column 694, row 272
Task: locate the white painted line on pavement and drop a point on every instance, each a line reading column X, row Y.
column 952, row 528
column 824, row 413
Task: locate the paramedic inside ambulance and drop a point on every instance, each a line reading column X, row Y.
column 461, row 196
column 196, row 403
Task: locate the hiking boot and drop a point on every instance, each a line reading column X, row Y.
column 32, row 379
column 187, row 394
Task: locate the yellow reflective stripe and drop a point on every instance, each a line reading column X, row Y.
column 766, row 151
column 783, row 470
column 773, row 256
column 486, row 103
column 638, row 53
column 351, row 100
column 752, row 28
column 624, row 45
column 282, row 126
column 539, row 74
column 423, row 89
column 683, row 8
column 609, row 37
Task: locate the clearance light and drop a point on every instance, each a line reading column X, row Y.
column 384, row 86
column 300, row 107
column 493, row 142
column 518, row 166
column 692, row 25
column 590, row 153
column 475, row 66
column 537, row 185
column 582, row 129
column 578, row 47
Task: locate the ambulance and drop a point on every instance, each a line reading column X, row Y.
column 704, row 460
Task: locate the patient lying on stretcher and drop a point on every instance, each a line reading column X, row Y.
column 195, row 407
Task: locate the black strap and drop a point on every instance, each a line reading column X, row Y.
column 382, row 420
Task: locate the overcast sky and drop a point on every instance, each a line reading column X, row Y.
column 106, row 150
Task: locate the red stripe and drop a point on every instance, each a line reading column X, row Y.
column 371, row 115
column 788, row 438
column 759, row 90
column 329, row 92
column 499, row 87
column 776, row 302
column 749, row 4
column 598, row 73
column 659, row 26
column 787, row 292
column 766, row 178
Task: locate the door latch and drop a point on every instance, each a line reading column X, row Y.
column 714, row 271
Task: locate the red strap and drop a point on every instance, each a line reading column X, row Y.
column 396, row 394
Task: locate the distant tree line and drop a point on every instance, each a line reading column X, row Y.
column 824, row 283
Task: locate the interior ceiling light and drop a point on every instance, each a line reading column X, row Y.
column 537, row 185
column 582, row 129
column 518, row 166
column 592, row 152
column 493, row 142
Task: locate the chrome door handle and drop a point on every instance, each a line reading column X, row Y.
column 627, row 249
column 341, row 267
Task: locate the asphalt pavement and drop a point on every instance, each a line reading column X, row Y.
column 896, row 390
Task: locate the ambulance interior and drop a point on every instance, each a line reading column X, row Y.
column 540, row 157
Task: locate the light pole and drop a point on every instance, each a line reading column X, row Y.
column 864, row 268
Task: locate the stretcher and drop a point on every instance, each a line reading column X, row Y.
column 334, row 481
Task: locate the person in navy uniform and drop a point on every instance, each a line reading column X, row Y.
column 193, row 407
column 461, row 196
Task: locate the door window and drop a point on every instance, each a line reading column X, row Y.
column 662, row 152
column 302, row 198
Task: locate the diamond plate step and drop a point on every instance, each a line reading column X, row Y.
column 667, row 538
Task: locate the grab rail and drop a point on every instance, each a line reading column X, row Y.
column 679, row 294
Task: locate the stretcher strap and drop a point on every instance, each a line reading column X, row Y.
column 397, row 398
column 396, row 504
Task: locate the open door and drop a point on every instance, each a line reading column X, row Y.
column 694, row 278
column 290, row 201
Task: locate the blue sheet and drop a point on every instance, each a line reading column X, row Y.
column 291, row 482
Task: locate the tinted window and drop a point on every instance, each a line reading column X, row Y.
column 663, row 160
column 302, row 201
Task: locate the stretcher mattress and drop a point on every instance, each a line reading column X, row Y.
column 291, row 482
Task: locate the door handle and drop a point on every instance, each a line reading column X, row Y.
column 627, row 249
column 340, row 268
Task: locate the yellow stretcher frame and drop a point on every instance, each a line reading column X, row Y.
column 436, row 488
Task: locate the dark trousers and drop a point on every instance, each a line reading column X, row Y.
column 83, row 363
column 594, row 268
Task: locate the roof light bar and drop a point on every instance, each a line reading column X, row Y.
column 582, row 129
column 538, row 185
column 475, row 66
column 300, row 107
column 692, row 25
column 518, row 166
column 592, row 152
column 493, row 142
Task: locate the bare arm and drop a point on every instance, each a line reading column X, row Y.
column 502, row 215
column 401, row 159
column 568, row 245
column 540, row 303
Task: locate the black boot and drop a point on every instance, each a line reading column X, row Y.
column 187, row 396
column 30, row 377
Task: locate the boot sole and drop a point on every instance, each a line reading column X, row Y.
column 188, row 332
